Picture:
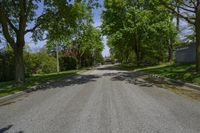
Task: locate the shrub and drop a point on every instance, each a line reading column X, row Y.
column 38, row 63
column 7, row 68
column 35, row 63
column 68, row 63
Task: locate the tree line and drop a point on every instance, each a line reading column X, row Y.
column 145, row 32
column 63, row 22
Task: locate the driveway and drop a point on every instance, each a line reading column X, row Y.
column 105, row 100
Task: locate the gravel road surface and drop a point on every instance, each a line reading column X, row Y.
column 105, row 100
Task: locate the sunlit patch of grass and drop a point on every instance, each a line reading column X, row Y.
column 178, row 72
column 184, row 72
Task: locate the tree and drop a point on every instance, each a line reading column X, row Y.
column 83, row 40
column 89, row 44
column 39, row 62
column 189, row 10
column 18, row 18
column 140, row 26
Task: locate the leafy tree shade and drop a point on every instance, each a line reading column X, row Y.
column 17, row 18
column 139, row 27
column 188, row 10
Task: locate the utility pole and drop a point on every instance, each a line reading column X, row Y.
column 57, row 58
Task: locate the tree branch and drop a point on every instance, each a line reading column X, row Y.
column 4, row 23
column 183, row 8
column 28, row 10
column 187, row 18
column 22, row 16
column 189, row 6
column 36, row 25
column 22, row 23
column 32, row 29
column 12, row 26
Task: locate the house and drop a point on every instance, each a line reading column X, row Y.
column 186, row 54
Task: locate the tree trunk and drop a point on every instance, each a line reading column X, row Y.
column 197, row 27
column 136, row 49
column 178, row 17
column 19, row 65
column 170, row 51
column 137, row 57
column 57, row 58
column 79, row 61
column 127, row 55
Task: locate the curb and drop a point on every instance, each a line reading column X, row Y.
column 12, row 96
column 190, row 85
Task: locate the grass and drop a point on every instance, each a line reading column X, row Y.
column 184, row 72
column 178, row 72
column 10, row 87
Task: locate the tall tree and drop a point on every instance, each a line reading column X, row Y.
column 141, row 26
column 83, row 40
column 189, row 10
column 17, row 18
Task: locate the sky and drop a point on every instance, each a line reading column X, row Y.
column 97, row 22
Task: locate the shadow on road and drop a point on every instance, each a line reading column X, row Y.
column 131, row 78
column 76, row 79
column 5, row 129
column 108, row 67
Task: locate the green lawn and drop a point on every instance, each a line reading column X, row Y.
column 10, row 87
column 179, row 72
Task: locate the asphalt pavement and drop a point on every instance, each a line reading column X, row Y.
column 105, row 100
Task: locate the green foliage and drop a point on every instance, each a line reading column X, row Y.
column 89, row 46
column 35, row 63
column 10, row 87
column 6, row 65
column 38, row 63
column 83, row 39
column 57, row 19
column 139, row 27
column 68, row 63
column 184, row 72
column 113, row 60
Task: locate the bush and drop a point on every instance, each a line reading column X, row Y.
column 7, row 68
column 35, row 63
column 68, row 63
column 38, row 63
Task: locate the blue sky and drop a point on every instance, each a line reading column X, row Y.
column 97, row 22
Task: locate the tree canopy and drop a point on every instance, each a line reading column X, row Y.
column 43, row 19
column 140, row 28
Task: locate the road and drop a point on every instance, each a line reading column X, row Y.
column 105, row 100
